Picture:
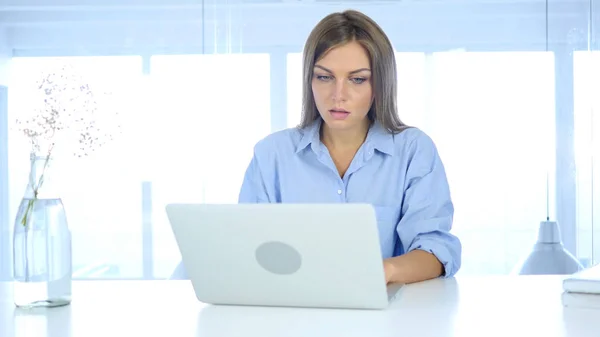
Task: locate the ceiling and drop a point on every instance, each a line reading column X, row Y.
column 32, row 26
column 53, row 12
column 37, row 4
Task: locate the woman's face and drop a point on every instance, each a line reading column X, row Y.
column 342, row 87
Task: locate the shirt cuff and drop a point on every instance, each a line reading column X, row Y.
column 449, row 262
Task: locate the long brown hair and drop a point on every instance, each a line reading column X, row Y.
column 340, row 28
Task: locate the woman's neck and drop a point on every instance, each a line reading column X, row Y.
column 344, row 140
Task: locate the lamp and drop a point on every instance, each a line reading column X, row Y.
column 549, row 255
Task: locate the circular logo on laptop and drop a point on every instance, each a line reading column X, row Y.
column 278, row 258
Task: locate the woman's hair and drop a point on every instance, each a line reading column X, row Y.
column 337, row 29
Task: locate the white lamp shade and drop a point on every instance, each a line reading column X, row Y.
column 549, row 257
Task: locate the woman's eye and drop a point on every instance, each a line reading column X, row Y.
column 358, row 80
column 323, row 78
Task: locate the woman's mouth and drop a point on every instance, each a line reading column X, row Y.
column 339, row 114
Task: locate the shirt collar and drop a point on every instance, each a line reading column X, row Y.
column 377, row 138
column 310, row 136
column 380, row 139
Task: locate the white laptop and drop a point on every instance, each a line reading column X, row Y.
column 293, row 255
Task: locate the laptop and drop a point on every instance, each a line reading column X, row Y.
column 290, row 255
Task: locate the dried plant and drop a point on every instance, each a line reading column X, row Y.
column 66, row 113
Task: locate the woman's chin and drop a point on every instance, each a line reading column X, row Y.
column 344, row 124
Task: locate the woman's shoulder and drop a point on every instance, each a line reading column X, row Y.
column 413, row 139
column 279, row 142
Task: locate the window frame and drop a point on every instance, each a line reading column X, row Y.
column 5, row 224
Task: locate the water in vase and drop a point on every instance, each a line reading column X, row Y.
column 42, row 254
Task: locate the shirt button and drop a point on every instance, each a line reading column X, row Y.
column 339, row 191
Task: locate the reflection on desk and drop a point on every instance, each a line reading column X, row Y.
column 439, row 302
column 479, row 306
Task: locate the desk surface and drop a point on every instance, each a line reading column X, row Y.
column 468, row 306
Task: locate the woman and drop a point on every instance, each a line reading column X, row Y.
column 351, row 147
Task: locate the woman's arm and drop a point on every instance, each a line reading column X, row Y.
column 414, row 266
column 253, row 188
column 430, row 250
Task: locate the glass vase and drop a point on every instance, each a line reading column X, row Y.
column 41, row 243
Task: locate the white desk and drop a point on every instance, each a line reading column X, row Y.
column 479, row 306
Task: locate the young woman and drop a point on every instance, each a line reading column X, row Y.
column 351, row 147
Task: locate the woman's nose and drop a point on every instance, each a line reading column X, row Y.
column 340, row 91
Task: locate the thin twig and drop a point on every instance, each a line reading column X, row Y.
column 35, row 186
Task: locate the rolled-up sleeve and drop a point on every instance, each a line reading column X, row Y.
column 427, row 209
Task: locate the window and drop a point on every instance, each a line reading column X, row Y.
column 188, row 133
column 493, row 116
column 586, row 71
column 206, row 114
column 294, row 88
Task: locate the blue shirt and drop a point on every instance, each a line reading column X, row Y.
column 401, row 175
